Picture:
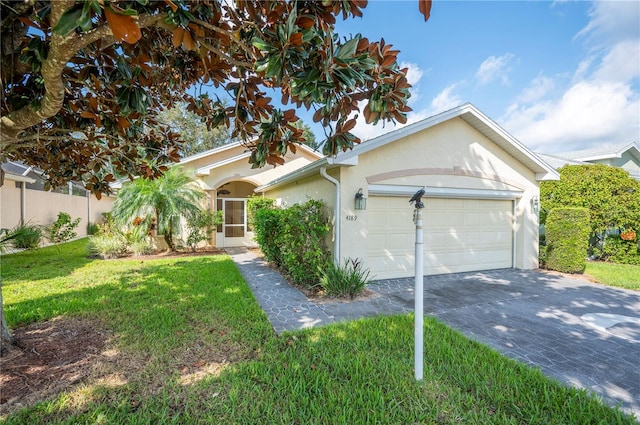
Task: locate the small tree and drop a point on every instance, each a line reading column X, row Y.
column 168, row 198
column 63, row 229
column 567, row 239
column 200, row 226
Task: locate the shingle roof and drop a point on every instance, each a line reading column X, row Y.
column 598, row 152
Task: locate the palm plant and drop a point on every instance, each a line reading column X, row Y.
column 168, row 198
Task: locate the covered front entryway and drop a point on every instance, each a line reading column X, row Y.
column 460, row 235
column 232, row 201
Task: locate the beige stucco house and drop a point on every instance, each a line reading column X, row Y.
column 481, row 184
column 227, row 177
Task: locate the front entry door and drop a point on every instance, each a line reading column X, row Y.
column 234, row 229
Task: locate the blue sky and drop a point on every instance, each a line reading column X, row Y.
column 558, row 76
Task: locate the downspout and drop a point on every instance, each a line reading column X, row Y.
column 514, row 235
column 23, row 202
column 336, row 215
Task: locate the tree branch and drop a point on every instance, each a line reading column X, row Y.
column 61, row 50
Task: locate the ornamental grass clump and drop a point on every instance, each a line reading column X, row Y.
column 348, row 280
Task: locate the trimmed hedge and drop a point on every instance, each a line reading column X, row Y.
column 567, row 237
column 293, row 239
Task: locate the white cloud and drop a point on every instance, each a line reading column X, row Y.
column 602, row 102
column 611, row 22
column 621, row 62
column 445, row 100
column 540, row 87
column 587, row 114
column 494, row 68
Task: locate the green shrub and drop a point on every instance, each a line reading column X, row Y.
column 268, row 235
column 567, row 238
column 92, row 228
column 108, row 245
column 617, row 250
column 348, row 280
column 142, row 247
column 304, row 228
column 63, row 229
column 200, row 226
column 255, row 203
column 26, row 236
column 293, row 239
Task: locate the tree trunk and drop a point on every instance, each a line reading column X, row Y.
column 168, row 237
column 6, row 339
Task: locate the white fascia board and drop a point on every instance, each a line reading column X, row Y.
column 209, row 152
column 443, row 192
column 302, row 172
column 19, row 178
column 205, row 171
column 618, row 154
column 308, row 170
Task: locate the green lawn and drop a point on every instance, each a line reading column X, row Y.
column 621, row 275
column 197, row 348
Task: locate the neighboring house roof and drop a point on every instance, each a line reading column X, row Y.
column 603, row 152
column 557, row 161
column 17, row 172
column 593, row 155
column 467, row 112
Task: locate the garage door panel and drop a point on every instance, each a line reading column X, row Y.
column 438, row 219
column 459, row 235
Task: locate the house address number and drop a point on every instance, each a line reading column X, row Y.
column 352, row 217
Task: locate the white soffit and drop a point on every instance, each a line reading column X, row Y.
column 443, row 192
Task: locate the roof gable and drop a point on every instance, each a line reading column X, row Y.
column 467, row 112
column 476, row 119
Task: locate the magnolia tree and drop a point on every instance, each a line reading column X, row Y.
column 83, row 82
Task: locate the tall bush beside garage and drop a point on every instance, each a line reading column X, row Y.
column 567, row 237
column 303, row 231
column 293, row 239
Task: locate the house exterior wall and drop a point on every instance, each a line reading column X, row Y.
column 449, row 155
column 42, row 208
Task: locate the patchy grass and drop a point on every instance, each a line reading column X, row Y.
column 620, row 275
column 194, row 347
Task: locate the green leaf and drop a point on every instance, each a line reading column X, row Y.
column 260, row 44
column 68, row 21
column 85, row 17
column 348, row 49
column 123, row 68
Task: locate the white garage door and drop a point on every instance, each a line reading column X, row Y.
column 459, row 235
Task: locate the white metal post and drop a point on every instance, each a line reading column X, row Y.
column 418, row 308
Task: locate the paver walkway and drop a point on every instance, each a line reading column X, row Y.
column 583, row 334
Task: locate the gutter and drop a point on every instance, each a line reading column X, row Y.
column 336, row 215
